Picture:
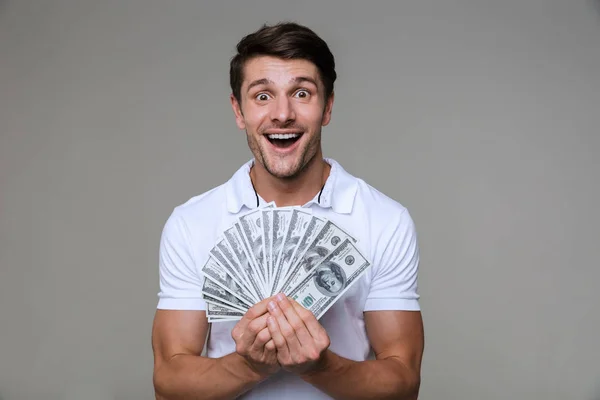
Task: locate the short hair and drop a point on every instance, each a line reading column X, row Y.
column 286, row 40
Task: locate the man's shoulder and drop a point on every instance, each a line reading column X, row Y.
column 385, row 216
column 204, row 212
column 383, row 200
column 203, row 207
column 362, row 195
column 377, row 204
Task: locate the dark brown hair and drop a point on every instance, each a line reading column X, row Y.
column 287, row 40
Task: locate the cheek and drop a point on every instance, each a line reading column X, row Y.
column 312, row 117
column 255, row 118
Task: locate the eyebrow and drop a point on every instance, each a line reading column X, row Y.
column 265, row 81
column 300, row 79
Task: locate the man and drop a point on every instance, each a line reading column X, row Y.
column 369, row 344
column 330, row 279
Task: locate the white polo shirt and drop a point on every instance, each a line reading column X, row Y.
column 385, row 233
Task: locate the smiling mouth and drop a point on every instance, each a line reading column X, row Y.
column 283, row 140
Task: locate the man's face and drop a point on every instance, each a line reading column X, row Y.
column 331, row 282
column 283, row 108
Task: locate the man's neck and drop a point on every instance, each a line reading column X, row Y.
column 296, row 191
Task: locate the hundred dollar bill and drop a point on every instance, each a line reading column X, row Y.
column 216, row 273
column 267, row 225
column 225, row 256
column 247, row 268
column 248, row 253
column 298, row 223
column 217, row 253
column 329, row 237
column 211, row 292
column 218, row 319
column 310, row 232
column 215, row 301
column 320, row 289
column 252, row 234
column 216, row 311
column 281, row 218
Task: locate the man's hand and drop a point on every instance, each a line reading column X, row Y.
column 253, row 340
column 299, row 338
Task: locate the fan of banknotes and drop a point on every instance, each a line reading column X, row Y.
column 272, row 250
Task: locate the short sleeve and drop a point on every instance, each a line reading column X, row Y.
column 180, row 282
column 394, row 281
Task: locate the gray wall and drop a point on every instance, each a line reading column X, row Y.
column 482, row 117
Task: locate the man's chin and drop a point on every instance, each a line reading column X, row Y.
column 284, row 174
column 285, row 171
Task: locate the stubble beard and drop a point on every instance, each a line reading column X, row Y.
column 306, row 156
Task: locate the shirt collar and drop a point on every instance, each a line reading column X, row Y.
column 338, row 193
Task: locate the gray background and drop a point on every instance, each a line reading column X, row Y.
column 482, row 117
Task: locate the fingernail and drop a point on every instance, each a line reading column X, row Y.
column 280, row 297
column 272, row 306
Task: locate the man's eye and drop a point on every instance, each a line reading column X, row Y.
column 303, row 94
column 262, row 97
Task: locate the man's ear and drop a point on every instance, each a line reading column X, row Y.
column 237, row 111
column 328, row 109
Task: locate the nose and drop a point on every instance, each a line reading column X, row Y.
column 282, row 110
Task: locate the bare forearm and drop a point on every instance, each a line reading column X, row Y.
column 342, row 378
column 194, row 377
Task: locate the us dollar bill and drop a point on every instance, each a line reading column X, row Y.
column 281, row 218
column 330, row 236
column 222, row 319
column 215, row 272
column 216, row 294
column 298, row 223
column 310, row 232
column 216, row 311
column 213, row 300
column 248, row 253
column 225, row 256
column 320, row 289
column 252, row 234
column 247, row 268
column 267, row 225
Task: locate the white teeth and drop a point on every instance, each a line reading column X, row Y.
column 283, row 135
